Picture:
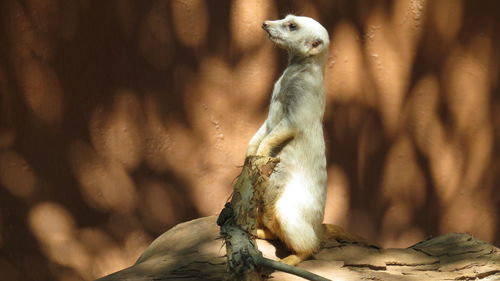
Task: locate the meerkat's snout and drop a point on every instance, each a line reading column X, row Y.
column 265, row 25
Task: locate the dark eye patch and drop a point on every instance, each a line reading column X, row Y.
column 292, row 26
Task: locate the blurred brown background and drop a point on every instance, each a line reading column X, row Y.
column 120, row 119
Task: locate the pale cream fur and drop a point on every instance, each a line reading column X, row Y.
column 294, row 203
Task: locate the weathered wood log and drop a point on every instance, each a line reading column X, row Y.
column 194, row 251
column 238, row 219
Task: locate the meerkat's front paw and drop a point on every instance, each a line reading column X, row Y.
column 264, row 150
column 251, row 150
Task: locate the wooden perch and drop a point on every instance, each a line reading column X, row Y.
column 194, row 251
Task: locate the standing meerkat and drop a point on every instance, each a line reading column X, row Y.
column 293, row 205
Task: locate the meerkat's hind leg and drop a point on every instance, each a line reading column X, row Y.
column 295, row 259
column 331, row 232
column 264, row 233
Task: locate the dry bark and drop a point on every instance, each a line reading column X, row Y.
column 238, row 220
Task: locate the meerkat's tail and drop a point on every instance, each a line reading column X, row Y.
column 338, row 233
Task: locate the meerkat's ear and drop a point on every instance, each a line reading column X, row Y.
column 315, row 46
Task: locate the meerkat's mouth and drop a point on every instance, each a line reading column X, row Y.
column 277, row 41
column 271, row 34
column 274, row 38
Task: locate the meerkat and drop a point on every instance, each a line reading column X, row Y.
column 294, row 203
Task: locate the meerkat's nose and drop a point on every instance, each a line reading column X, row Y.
column 265, row 24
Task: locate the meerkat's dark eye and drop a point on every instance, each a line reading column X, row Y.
column 292, row 26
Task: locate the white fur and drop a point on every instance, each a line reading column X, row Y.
column 295, row 202
column 298, row 186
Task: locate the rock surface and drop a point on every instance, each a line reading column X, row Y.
column 193, row 251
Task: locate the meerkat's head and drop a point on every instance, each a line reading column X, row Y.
column 301, row 36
